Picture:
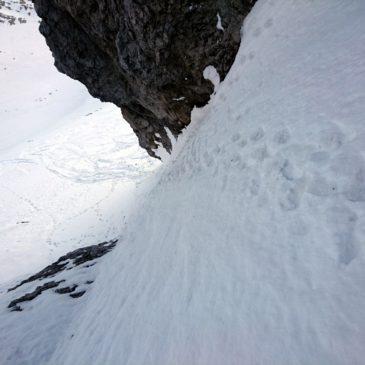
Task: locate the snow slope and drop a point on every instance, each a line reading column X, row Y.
column 248, row 246
column 68, row 162
column 31, row 91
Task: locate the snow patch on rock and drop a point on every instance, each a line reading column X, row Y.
column 210, row 73
column 219, row 23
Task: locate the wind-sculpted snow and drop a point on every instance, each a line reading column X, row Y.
column 248, row 245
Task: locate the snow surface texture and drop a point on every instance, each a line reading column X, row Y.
column 67, row 161
column 247, row 247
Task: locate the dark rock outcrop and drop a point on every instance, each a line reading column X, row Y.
column 147, row 57
column 69, row 261
column 32, row 295
column 73, row 258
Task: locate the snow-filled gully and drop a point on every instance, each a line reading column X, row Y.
column 247, row 246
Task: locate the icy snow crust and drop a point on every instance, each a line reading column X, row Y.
column 248, row 246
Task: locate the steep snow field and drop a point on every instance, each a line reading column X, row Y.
column 67, row 161
column 247, row 247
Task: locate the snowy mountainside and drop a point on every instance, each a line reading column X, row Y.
column 247, row 247
column 68, row 163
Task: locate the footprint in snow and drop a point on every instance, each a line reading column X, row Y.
column 257, row 135
column 343, row 221
column 269, row 22
column 292, row 190
column 260, row 154
column 319, row 157
column 235, row 137
column 290, row 201
column 282, row 136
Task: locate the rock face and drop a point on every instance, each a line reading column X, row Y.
column 147, row 57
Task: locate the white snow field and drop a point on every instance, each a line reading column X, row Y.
column 247, row 246
column 67, row 161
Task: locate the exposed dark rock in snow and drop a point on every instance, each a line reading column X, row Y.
column 146, row 57
column 24, row 7
column 67, row 262
column 35, row 293
column 77, row 257
column 66, row 289
column 78, row 294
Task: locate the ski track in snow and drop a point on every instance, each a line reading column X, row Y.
column 247, row 247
